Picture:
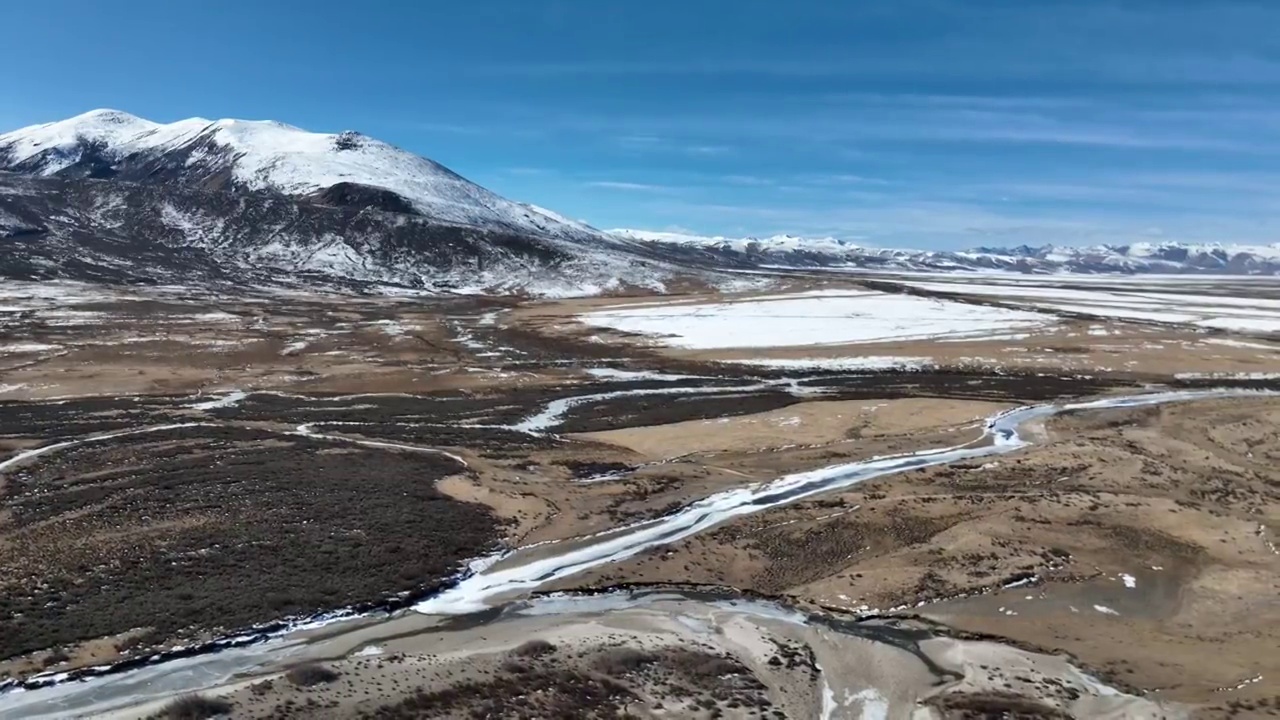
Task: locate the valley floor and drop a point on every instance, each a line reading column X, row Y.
column 179, row 466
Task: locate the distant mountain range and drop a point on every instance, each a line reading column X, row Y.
column 110, row 197
column 791, row 251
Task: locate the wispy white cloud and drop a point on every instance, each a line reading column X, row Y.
column 707, row 149
column 1218, row 124
column 1207, row 191
column 752, row 180
column 624, row 185
column 1247, row 181
column 454, row 128
column 852, row 124
column 777, row 67
column 650, row 143
column 842, row 179
column 1038, row 190
column 923, row 223
column 640, row 140
column 1112, row 64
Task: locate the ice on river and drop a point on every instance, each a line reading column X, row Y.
column 475, row 593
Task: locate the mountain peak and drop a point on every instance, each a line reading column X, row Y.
column 261, row 124
column 271, row 156
column 107, row 115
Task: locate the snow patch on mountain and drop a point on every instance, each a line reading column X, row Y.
column 775, row 243
column 273, row 156
column 129, row 232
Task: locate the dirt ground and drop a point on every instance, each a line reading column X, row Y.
column 804, row 424
column 1137, row 542
column 1155, row 525
column 668, row 655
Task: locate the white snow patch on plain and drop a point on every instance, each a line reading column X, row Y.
column 213, row 316
column 611, row 374
column 874, row 705
column 1221, row 312
column 10, row 388
column 392, row 328
column 829, row 704
column 1153, row 314
column 868, row 362
column 807, row 320
column 823, row 292
column 1239, row 344
column 294, row 348
column 368, row 651
column 1015, row 336
column 229, row 400
column 1129, row 580
column 1105, row 610
column 1243, row 324
column 27, row 347
column 1228, row 376
column 70, row 317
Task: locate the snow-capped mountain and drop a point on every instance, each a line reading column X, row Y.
column 343, row 169
column 113, row 197
column 776, row 243
column 141, row 233
column 1145, row 257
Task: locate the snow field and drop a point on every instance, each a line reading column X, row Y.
column 1219, row 312
column 831, row 318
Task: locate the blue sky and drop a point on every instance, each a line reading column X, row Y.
column 927, row 123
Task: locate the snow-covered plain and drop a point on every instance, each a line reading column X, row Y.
column 1220, row 312
column 28, row 347
column 867, row 362
column 831, row 318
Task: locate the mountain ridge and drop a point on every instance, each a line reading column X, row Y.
column 110, row 196
column 1138, row 257
column 265, row 155
column 136, row 233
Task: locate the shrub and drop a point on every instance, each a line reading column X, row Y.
column 311, row 674
column 515, row 667
column 623, row 661
column 262, row 688
column 57, row 656
column 195, row 707
column 534, row 648
column 703, row 666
